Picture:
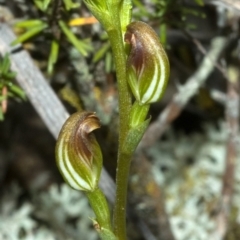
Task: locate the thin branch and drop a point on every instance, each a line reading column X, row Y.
column 202, row 49
column 218, row 96
column 232, row 121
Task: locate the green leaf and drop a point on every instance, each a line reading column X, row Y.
column 46, row 4
column 199, row 2
column 125, row 14
column 81, row 46
column 138, row 114
column 42, row 4
column 5, row 70
column 3, row 98
column 1, row 115
column 30, row 33
column 70, row 5
column 53, row 56
column 192, row 12
column 5, row 65
column 108, row 62
column 97, row 5
column 17, row 91
column 10, row 75
column 163, row 34
column 10, row 95
column 101, row 11
column 134, row 136
column 101, row 52
column 139, row 5
column 29, row 23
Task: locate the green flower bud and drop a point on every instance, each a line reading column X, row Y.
column 147, row 64
column 78, row 155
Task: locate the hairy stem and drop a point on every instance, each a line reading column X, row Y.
column 119, row 216
column 123, row 164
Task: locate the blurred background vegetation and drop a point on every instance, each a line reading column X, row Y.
column 187, row 164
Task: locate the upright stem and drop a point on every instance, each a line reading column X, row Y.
column 123, row 164
column 124, row 97
column 119, row 214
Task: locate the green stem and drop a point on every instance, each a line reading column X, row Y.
column 100, row 207
column 124, row 97
column 119, row 214
column 123, row 163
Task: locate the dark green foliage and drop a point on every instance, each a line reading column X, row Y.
column 7, row 88
column 54, row 19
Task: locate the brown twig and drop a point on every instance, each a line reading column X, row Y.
column 232, row 122
column 204, row 52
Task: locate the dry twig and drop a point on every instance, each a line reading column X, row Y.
column 232, row 121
